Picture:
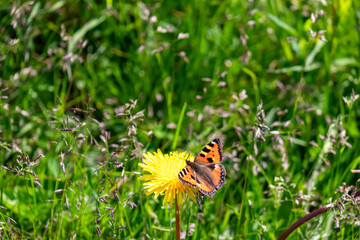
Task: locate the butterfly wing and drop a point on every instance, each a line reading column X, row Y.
column 187, row 176
column 211, row 153
column 210, row 180
column 206, row 173
column 205, row 187
column 218, row 173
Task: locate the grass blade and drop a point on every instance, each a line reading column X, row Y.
column 178, row 127
column 282, row 24
column 82, row 31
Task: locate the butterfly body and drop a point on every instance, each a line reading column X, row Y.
column 206, row 172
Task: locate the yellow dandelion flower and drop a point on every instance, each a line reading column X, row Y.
column 163, row 178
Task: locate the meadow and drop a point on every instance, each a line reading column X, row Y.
column 88, row 87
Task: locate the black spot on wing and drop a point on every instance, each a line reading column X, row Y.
column 192, row 176
column 210, row 160
column 212, row 166
column 205, row 149
column 211, row 144
column 202, row 155
column 183, row 173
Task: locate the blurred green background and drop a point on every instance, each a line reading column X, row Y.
column 88, row 86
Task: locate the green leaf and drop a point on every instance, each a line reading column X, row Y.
column 310, row 58
column 34, row 12
column 55, row 7
column 297, row 68
column 282, row 24
column 178, row 127
column 339, row 64
column 82, row 31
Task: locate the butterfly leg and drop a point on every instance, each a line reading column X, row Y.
column 199, row 197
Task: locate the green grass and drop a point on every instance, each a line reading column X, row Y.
column 71, row 71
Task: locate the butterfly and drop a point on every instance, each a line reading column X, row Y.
column 206, row 172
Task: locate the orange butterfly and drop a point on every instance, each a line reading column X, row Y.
column 206, row 172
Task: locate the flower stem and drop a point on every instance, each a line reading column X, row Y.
column 313, row 214
column 302, row 220
column 177, row 217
